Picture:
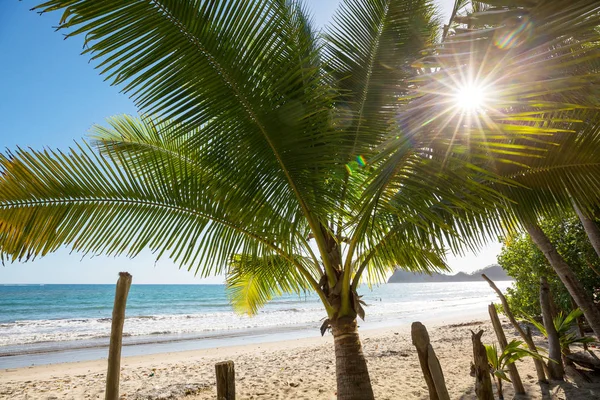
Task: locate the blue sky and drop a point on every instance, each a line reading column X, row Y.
column 50, row 95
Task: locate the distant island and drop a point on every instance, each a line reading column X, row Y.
column 494, row 272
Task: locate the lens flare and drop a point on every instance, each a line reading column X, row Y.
column 514, row 33
column 361, row 161
column 470, row 97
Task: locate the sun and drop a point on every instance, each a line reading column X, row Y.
column 470, row 97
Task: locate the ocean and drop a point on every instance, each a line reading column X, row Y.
column 57, row 323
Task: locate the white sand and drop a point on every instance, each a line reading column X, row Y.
column 298, row 369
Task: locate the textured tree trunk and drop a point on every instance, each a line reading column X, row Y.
column 566, row 275
column 555, row 367
column 579, row 324
column 591, row 229
column 353, row 382
column 539, row 365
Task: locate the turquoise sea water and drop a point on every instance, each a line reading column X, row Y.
column 50, row 318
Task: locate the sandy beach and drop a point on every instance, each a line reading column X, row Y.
column 297, row 369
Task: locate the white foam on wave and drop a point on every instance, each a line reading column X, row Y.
column 421, row 302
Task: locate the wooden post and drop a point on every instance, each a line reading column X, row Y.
column 512, row 368
column 430, row 365
column 483, row 381
column 555, row 369
column 225, row 380
column 116, row 337
column 539, row 365
column 437, row 374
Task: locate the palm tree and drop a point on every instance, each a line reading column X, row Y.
column 535, row 66
column 590, row 226
column 254, row 156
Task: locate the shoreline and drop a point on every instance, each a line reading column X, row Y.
column 243, row 343
column 228, row 350
column 302, row 369
column 97, row 349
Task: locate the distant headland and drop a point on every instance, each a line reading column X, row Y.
column 494, row 272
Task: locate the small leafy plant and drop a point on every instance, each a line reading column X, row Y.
column 563, row 325
column 499, row 362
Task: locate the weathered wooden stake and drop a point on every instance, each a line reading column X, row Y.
column 555, row 369
column 430, row 365
column 483, row 381
column 116, row 337
column 512, row 368
column 539, row 365
column 225, row 380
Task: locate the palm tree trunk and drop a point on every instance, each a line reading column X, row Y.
column 566, row 275
column 353, row 382
column 591, row 229
column 555, row 368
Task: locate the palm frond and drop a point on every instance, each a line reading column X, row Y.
column 97, row 204
column 370, row 47
column 247, row 72
column 151, row 147
column 253, row 281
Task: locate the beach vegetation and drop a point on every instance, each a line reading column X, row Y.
column 564, row 325
column 500, row 361
column 523, row 261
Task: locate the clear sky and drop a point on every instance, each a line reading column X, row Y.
column 50, row 96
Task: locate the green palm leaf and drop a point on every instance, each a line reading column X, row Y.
column 253, row 281
column 245, row 71
column 100, row 205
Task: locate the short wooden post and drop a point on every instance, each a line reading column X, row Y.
column 430, row 365
column 483, row 381
column 512, row 368
column 116, row 337
column 225, row 380
column 539, row 365
column 555, row 369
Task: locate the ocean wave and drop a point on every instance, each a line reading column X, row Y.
column 288, row 313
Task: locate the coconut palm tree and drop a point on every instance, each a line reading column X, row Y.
column 588, row 220
column 533, row 68
column 254, row 155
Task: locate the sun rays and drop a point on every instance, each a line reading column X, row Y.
column 470, row 97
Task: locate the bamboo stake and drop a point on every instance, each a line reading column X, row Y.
column 116, row 337
column 539, row 365
column 512, row 368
